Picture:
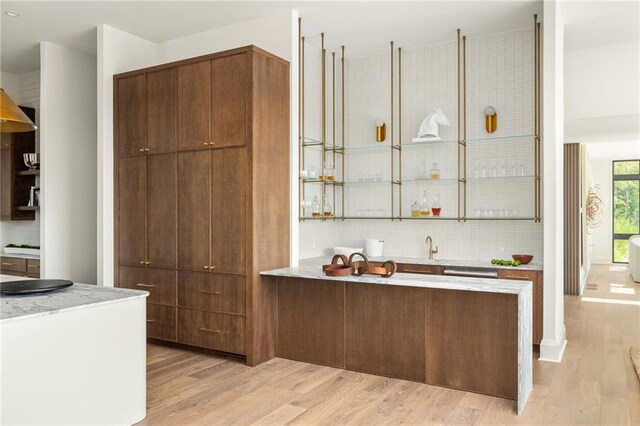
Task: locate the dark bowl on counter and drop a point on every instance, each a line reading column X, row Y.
column 523, row 258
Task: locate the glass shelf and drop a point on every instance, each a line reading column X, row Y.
column 472, row 141
column 493, row 178
column 328, row 182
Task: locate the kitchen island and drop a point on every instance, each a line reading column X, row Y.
column 73, row 356
column 464, row 333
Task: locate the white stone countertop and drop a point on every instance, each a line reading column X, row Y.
column 533, row 266
column 20, row 256
column 78, row 296
column 487, row 285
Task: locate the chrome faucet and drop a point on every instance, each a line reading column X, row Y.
column 429, row 241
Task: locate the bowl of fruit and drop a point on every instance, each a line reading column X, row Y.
column 506, row 262
column 523, row 258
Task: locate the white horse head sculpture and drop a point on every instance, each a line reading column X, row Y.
column 429, row 127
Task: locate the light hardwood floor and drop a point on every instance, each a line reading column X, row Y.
column 594, row 384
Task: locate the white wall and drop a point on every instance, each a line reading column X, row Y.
column 272, row 33
column 11, row 84
column 601, row 93
column 117, row 52
column 600, row 167
column 554, row 335
column 68, row 158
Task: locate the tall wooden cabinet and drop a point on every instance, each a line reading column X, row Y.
column 202, row 200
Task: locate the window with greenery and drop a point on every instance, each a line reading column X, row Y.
column 626, row 206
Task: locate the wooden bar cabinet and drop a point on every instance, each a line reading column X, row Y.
column 202, row 196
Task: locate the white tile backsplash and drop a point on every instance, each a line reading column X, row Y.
column 500, row 74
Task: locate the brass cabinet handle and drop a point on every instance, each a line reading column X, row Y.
column 151, row 320
column 141, row 149
column 515, row 277
column 208, row 330
column 145, row 285
column 217, row 293
column 212, row 266
column 212, row 143
column 7, row 264
column 206, row 266
column 206, row 143
column 411, row 271
column 33, row 266
column 146, row 150
column 147, row 262
column 142, row 262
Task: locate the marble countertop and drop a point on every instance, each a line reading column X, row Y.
column 20, row 256
column 533, row 266
column 78, row 296
column 486, row 285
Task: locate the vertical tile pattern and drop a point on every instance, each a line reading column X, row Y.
column 499, row 74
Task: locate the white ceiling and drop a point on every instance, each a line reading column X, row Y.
column 363, row 27
column 592, row 24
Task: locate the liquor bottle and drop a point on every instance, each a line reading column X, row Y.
column 424, row 206
column 435, row 207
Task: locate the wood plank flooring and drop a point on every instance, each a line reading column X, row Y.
column 594, row 384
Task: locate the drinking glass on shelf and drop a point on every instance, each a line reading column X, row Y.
column 513, row 170
column 492, row 213
column 521, row 170
column 483, row 172
column 478, row 212
column 503, row 170
column 494, row 171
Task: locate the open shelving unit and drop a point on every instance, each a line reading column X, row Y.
column 470, row 182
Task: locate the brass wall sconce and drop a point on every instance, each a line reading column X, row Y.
column 490, row 119
column 381, row 130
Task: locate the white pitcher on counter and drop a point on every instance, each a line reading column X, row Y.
column 374, row 247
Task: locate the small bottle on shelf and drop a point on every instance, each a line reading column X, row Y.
column 328, row 209
column 424, row 206
column 316, row 209
column 435, row 172
column 415, row 209
column 435, row 207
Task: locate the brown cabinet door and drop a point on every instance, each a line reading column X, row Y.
column 161, row 322
column 537, row 303
column 15, row 264
column 385, row 331
column 212, row 292
column 33, row 268
column 131, row 210
column 161, row 111
column 162, row 200
column 193, row 210
column 214, row 331
column 194, row 106
column 131, row 115
column 160, row 283
column 5, row 184
column 310, row 321
column 228, row 210
column 229, row 100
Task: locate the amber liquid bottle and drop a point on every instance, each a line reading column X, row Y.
column 435, row 207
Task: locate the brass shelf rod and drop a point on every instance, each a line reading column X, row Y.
column 392, row 130
column 323, row 120
column 344, row 174
column 458, row 118
column 333, row 124
column 464, row 114
column 399, row 148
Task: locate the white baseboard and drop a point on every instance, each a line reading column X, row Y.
column 552, row 350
